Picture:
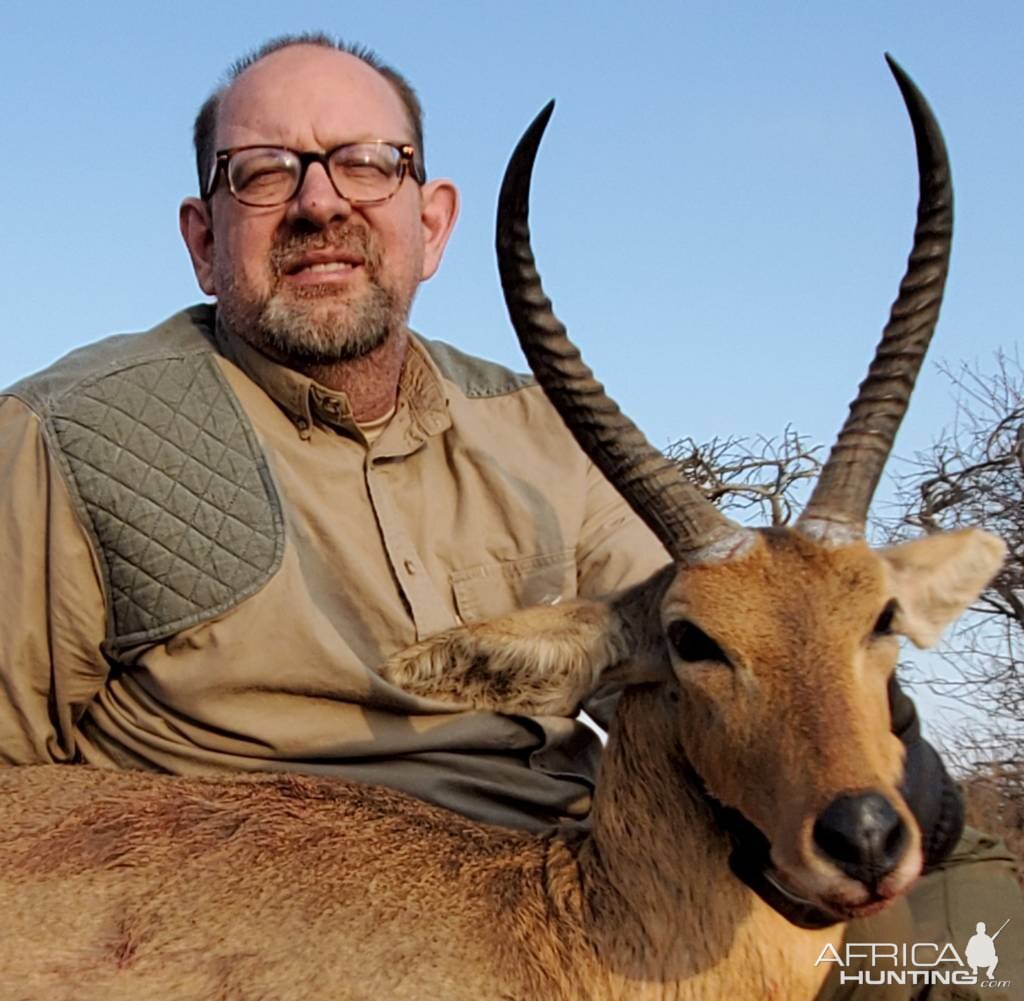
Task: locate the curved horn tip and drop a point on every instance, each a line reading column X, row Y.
column 917, row 104
column 546, row 112
column 897, row 70
column 903, row 78
column 526, row 148
column 907, row 86
column 514, row 195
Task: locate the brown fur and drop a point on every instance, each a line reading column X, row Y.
column 124, row 886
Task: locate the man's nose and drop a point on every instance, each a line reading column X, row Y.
column 316, row 201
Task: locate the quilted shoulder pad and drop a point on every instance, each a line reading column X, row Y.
column 476, row 377
column 174, row 489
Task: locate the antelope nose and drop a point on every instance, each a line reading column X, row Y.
column 863, row 835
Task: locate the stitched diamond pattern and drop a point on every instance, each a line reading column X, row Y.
column 177, row 492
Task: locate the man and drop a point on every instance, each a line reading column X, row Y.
column 221, row 527
column 215, row 531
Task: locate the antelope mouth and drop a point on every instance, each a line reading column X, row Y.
column 783, row 895
column 845, row 894
column 848, row 911
column 773, row 877
column 832, row 900
column 865, row 910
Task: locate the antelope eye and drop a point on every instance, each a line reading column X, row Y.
column 692, row 644
column 883, row 627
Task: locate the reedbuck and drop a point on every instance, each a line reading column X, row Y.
column 754, row 723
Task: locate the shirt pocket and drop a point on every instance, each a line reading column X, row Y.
column 493, row 589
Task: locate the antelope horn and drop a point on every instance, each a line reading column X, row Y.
column 690, row 527
column 838, row 507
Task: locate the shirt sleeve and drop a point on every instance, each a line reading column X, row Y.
column 52, row 608
column 616, row 549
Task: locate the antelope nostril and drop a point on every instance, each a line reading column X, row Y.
column 862, row 834
column 896, row 838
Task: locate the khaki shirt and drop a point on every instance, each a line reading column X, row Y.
column 463, row 508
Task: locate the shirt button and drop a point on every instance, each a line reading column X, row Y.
column 410, row 567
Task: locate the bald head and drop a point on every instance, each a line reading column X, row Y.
column 291, row 52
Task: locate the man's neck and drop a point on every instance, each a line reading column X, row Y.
column 371, row 382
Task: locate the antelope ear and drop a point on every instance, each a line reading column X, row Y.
column 937, row 577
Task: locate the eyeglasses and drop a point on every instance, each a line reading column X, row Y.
column 363, row 173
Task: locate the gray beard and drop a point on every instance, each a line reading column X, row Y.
column 316, row 331
column 310, row 326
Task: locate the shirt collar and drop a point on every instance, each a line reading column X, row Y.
column 421, row 410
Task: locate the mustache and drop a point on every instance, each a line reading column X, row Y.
column 291, row 243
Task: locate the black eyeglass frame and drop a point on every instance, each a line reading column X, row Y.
column 406, row 165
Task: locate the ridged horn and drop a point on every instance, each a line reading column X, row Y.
column 839, row 504
column 689, row 526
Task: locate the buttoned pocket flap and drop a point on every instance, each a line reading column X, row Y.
column 492, row 589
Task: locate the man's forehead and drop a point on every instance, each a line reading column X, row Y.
column 307, row 94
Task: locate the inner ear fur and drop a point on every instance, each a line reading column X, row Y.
column 936, row 577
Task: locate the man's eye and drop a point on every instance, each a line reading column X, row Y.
column 262, row 178
column 365, row 169
column 362, row 161
column 261, row 168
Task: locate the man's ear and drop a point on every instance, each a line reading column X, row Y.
column 937, row 577
column 440, row 209
column 197, row 231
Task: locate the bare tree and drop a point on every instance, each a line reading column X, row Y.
column 974, row 475
column 758, row 479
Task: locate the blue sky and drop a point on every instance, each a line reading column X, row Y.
column 722, row 210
